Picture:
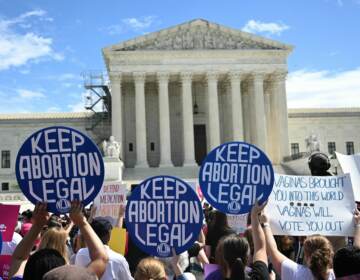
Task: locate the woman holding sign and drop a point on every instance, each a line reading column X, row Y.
column 318, row 254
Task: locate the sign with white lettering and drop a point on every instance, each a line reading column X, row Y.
column 163, row 213
column 306, row 205
column 234, row 176
column 58, row 165
column 109, row 200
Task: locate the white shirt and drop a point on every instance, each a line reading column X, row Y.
column 117, row 267
column 291, row 270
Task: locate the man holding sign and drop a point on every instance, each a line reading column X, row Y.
column 234, row 176
column 58, row 165
column 163, row 213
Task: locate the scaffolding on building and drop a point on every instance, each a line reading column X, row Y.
column 98, row 100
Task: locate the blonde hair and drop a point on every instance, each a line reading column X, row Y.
column 55, row 238
column 319, row 251
column 150, row 268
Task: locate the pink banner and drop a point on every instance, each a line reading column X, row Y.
column 5, row 262
column 8, row 220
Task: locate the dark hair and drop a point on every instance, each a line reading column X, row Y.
column 346, row 261
column 235, row 250
column 27, row 214
column 219, row 221
column 320, row 253
column 41, row 262
column 319, row 163
column 102, row 228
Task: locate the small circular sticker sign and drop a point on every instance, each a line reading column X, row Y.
column 234, row 176
column 58, row 165
column 163, row 213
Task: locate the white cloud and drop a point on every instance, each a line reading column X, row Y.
column 316, row 89
column 254, row 26
column 17, row 48
column 139, row 23
column 29, row 94
column 132, row 24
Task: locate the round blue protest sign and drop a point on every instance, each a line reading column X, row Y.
column 163, row 213
column 234, row 176
column 58, row 165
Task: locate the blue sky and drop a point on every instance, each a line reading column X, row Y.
column 46, row 45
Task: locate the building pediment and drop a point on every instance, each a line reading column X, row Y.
column 199, row 35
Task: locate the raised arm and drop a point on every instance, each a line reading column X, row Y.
column 97, row 251
column 357, row 228
column 120, row 220
column 23, row 249
column 276, row 256
column 258, row 235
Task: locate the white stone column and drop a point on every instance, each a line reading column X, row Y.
column 116, row 109
column 140, row 114
column 246, row 101
column 213, row 109
column 236, row 106
column 259, row 111
column 269, row 127
column 164, row 119
column 188, row 121
column 279, row 117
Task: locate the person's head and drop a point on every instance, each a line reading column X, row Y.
column 70, row 272
column 318, row 253
column 346, row 262
column 27, row 215
column 150, row 268
column 55, row 238
column 102, row 228
column 319, row 163
column 286, row 243
column 41, row 262
column 232, row 255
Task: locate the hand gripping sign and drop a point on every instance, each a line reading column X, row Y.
column 57, row 165
column 163, row 213
column 234, row 176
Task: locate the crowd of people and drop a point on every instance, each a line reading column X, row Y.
column 76, row 246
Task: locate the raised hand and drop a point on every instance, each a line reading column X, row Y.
column 76, row 213
column 257, row 209
column 40, row 215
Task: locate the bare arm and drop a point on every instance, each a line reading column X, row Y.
column 97, row 251
column 276, row 256
column 23, row 249
column 258, row 235
column 357, row 228
column 120, row 221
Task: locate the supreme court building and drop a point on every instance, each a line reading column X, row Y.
column 180, row 92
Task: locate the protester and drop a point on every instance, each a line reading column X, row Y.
column 347, row 259
column 24, row 266
column 235, row 253
column 150, row 268
column 318, row 254
column 217, row 229
column 55, row 238
column 117, row 267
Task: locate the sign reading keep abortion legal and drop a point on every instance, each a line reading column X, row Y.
column 58, row 165
column 163, row 213
column 234, row 176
